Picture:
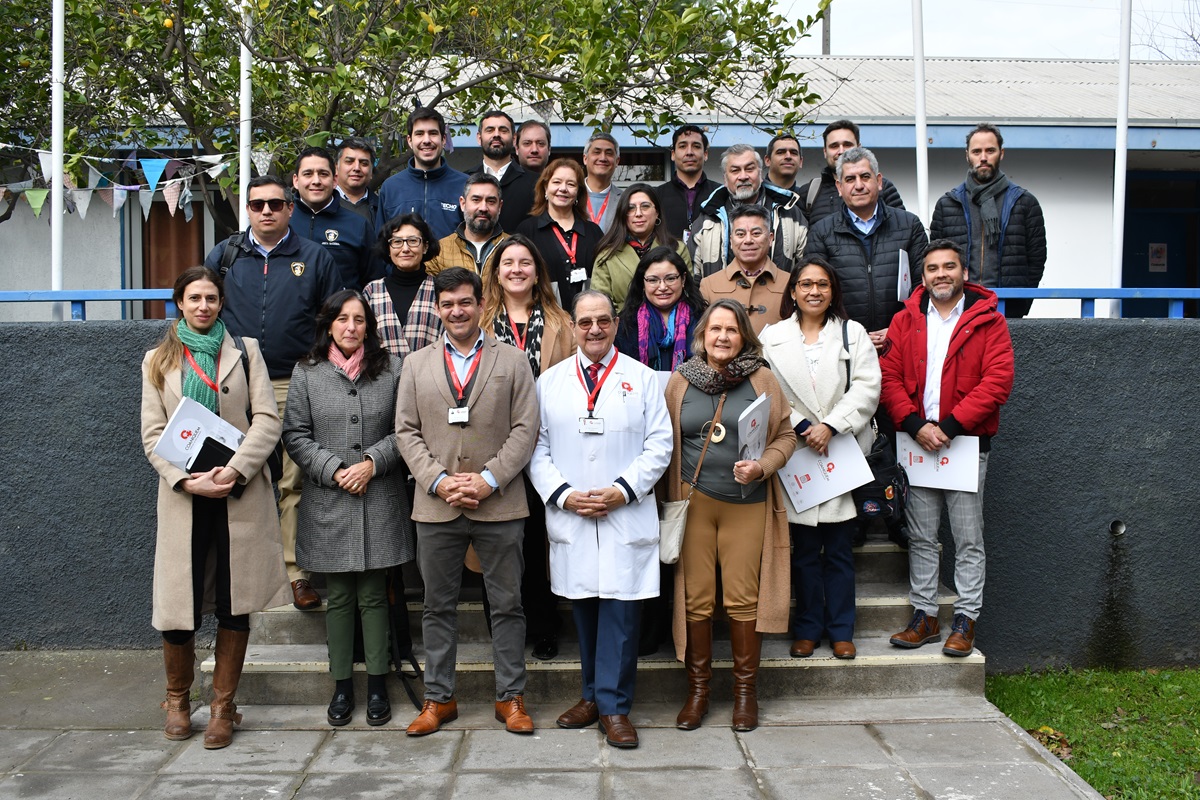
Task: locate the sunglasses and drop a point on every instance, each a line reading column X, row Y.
column 275, row 203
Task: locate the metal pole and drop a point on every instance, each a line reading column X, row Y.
column 919, row 117
column 1121, row 155
column 57, row 79
column 825, row 31
column 244, row 159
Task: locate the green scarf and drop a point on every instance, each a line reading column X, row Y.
column 204, row 348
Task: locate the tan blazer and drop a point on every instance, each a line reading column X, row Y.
column 499, row 437
column 761, row 299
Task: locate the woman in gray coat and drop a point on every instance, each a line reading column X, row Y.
column 354, row 514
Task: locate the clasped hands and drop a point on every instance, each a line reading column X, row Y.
column 354, row 479
column 594, row 502
column 216, row 483
column 464, row 489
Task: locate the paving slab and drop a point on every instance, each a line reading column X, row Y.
column 968, row 781
column 951, row 742
column 73, row 786
column 373, row 786
column 706, row 748
column 223, row 786
column 387, row 752
column 105, row 751
column 883, row 782
column 813, row 746
column 251, row 751
column 17, row 747
column 521, row 785
column 726, row 784
column 566, row 749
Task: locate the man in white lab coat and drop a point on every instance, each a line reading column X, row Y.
column 605, row 440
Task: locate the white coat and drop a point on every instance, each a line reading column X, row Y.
column 616, row 556
column 824, row 398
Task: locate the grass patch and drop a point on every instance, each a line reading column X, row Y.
column 1132, row 735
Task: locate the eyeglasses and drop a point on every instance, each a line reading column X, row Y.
column 645, row 208
column 275, row 203
column 753, row 233
column 669, row 280
column 400, row 242
column 600, row 322
column 808, row 286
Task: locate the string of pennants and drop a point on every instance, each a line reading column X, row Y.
column 173, row 175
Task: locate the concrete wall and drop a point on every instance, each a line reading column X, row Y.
column 1099, row 433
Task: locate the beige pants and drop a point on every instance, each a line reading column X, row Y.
column 289, row 493
column 729, row 535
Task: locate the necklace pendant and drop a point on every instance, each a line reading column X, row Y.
column 718, row 433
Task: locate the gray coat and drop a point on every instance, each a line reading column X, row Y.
column 333, row 422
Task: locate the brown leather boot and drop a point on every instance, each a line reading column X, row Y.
column 223, row 715
column 697, row 658
column 180, row 661
column 747, row 649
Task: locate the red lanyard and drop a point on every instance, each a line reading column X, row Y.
column 517, row 334
column 595, row 392
column 569, row 249
column 211, row 384
column 458, row 387
column 597, row 217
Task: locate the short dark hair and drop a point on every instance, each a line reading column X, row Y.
column 840, row 125
column 495, row 113
column 781, row 137
column 450, row 279
column 751, row 210
column 316, row 152
column 269, row 180
column 837, row 308
column 535, row 122
column 355, row 143
column 986, row 127
column 375, row 357
column 426, row 112
column 383, row 247
column 476, row 178
column 686, row 129
column 944, row 244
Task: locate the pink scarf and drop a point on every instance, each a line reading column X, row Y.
column 351, row 366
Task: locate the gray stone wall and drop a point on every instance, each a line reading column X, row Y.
column 1098, row 434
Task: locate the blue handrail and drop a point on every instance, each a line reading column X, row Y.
column 79, row 297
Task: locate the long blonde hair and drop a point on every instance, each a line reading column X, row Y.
column 543, row 288
column 169, row 353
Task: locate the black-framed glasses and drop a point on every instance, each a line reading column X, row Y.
column 412, row 242
column 276, row 204
column 669, row 280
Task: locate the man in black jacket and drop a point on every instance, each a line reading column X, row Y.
column 820, row 195
column 322, row 217
column 275, row 283
column 495, row 137
column 998, row 224
column 681, row 196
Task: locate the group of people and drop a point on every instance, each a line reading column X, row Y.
column 544, row 386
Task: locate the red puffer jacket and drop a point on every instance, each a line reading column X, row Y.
column 976, row 379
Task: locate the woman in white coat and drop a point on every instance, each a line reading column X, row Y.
column 604, row 442
column 828, row 370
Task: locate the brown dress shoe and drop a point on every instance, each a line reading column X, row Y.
column 580, row 715
column 512, row 714
column 844, row 650
column 432, row 715
column 802, row 648
column 619, row 731
column 962, row 637
column 921, row 630
column 304, row 596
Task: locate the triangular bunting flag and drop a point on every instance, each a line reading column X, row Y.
column 172, row 168
column 47, row 161
column 83, row 198
column 36, row 198
column 213, row 172
column 131, row 162
column 118, row 200
column 262, row 161
column 171, row 190
column 20, row 186
column 185, row 200
column 153, row 168
column 146, row 198
column 107, row 196
column 94, row 177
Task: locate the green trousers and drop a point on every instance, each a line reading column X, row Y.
column 366, row 591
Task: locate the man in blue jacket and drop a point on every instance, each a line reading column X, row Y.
column 275, row 283
column 428, row 186
column 320, row 216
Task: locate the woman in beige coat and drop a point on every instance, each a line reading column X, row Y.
column 218, row 547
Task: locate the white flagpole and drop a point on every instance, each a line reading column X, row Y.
column 919, row 125
column 244, row 160
column 1121, row 156
column 57, row 79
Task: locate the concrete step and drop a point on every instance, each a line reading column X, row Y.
column 299, row 673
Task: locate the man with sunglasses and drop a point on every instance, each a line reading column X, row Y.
column 275, row 282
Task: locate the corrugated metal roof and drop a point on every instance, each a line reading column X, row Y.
column 1025, row 90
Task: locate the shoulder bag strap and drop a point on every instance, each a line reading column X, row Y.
column 712, row 426
column 846, row 347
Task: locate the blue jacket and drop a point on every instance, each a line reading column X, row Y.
column 346, row 235
column 431, row 193
column 278, row 304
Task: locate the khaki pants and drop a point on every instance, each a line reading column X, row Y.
column 728, row 534
column 289, row 493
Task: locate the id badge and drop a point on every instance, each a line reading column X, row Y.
column 459, row 416
column 591, row 425
column 578, row 275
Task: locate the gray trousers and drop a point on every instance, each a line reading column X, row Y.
column 441, row 548
column 924, row 514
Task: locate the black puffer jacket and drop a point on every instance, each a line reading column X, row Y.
column 1022, row 242
column 869, row 281
column 828, row 200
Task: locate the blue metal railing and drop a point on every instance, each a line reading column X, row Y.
column 78, row 298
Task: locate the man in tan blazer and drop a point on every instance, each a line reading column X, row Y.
column 751, row 279
column 466, row 424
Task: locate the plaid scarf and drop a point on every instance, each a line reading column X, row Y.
column 503, row 330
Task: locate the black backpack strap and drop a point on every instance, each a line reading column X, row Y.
column 241, row 346
column 846, row 347
column 232, row 245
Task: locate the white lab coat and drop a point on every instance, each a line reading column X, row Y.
column 615, row 556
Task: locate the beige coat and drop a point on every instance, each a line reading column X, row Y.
column 761, row 298
column 257, row 576
column 500, row 435
column 775, row 574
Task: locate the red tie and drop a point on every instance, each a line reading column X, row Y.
column 593, row 373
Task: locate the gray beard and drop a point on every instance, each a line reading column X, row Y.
column 743, row 195
column 481, row 227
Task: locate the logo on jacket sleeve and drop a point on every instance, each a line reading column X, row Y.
column 331, row 235
column 297, row 268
